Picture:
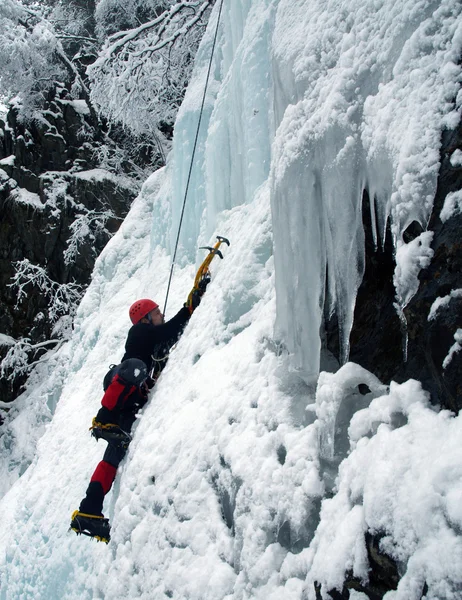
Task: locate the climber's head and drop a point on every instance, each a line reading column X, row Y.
column 145, row 309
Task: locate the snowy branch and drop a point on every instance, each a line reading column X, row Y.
column 17, row 361
column 32, row 56
column 63, row 297
column 140, row 75
column 165, row 20
column 78, row 38
column 85, row 228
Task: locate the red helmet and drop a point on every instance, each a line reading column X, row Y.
column 140, row 309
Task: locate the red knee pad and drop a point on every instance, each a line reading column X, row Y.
column 105, row 475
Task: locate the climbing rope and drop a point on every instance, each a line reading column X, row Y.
column 193, row 154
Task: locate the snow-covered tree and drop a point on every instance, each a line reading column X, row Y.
column 143, row 66
column 140, row 75
column 63, row 298
column 32, row 56
column 27, row 49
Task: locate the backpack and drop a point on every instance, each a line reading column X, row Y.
column 132, row 371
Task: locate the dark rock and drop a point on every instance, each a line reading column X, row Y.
column 430, row 341
column 412, row 231
column 47, row 183
column 378, row 339
column 383, row 575
column 281, row 453
column 364, row 389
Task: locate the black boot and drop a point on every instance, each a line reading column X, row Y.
column 111, row 433
column 91, row 525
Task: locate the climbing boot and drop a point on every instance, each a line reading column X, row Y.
column 93, row 526
column 110, row 432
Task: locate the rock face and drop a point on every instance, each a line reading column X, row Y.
column 431, row 337
column 418, row 348
column 58, row 209
column 379, row 339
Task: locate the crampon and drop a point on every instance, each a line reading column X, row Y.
column 110, row 432
column 93, row 526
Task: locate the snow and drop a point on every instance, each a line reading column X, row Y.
column 270, row 462
column 443, row 302
column 8, row 161
column 456, row 347
column 410, row 259
column 80, row 106
column 456, row 158
column 400, row 480
column 452, row 206
column 6, row 340
column 95, row 175
column 100, row 175
column 23, row 196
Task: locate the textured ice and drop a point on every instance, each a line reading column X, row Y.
column 250, row 474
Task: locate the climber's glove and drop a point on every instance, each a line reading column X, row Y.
column 203, row 283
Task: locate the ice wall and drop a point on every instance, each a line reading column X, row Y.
column 325, row 103
column 361, row 94
column 233, row 154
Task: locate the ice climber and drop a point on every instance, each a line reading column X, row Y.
column 126, row 388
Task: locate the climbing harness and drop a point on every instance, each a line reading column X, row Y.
column 193, row 154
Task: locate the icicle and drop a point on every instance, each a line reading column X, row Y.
column 404, row 329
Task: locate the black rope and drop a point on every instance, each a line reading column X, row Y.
column 192, row 156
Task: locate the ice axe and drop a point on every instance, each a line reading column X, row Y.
column 203, row 270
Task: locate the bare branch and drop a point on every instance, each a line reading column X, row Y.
column 63, row 297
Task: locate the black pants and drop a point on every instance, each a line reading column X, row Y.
column 104, row 474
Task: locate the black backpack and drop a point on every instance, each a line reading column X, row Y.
column 132, row 371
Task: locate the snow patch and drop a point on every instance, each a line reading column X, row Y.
column 456, row 158
column 443, row 302
column 8, row 161
column 6, row 340
column 101, row 175
column 23, row 196
column 452, row 206
column 454, row 349
column 410, row 259
column 80, row 106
